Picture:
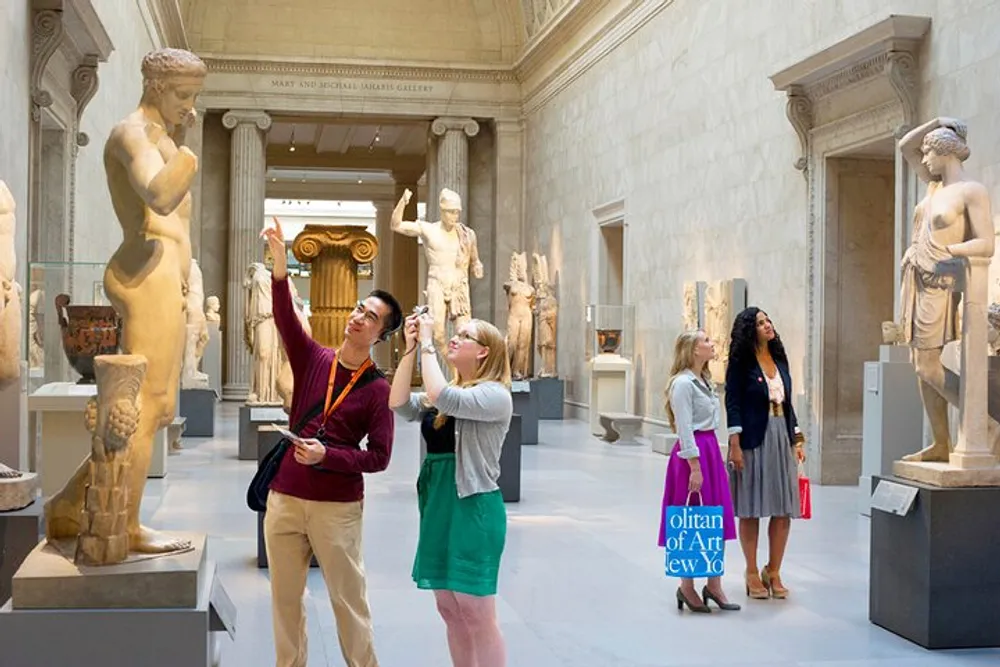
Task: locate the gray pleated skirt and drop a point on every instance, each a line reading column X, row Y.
column 768, row 485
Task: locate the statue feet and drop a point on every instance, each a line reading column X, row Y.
column 149, row 541
column 9, row 473
column 936, row 452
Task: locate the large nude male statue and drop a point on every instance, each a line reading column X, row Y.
column 952, row 222
column 149, row 174
column 451, row 251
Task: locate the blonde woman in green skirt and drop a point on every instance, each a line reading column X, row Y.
column 463, row 522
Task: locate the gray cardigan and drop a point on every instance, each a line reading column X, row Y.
column 482, row 416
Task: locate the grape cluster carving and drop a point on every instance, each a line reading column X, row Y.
column 123, row 419
column 90, row 415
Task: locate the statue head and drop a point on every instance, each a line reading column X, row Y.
column 945, row 144
column 451, row 207
column 212, row 304
column 171, row 81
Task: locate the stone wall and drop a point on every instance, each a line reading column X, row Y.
column 682, row 121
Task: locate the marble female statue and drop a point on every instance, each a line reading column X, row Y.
column 10, row 293
column 520, row 304
column 547, row 311
column 951, row 223
column 197, row 331
column 451, row 251
column 286, row 382
column 36, row 323
column 149, row 174
column 261, row 337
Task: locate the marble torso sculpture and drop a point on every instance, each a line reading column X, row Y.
column 952, row 225
column 149, row 174
column 10, row 293
column 212, row 309
column 520, row 303
column 197, row 331
column 451, row 251
column 547, row 309
column 36, row 320
column 261, row 337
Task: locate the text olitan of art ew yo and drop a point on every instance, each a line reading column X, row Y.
column 694, row 542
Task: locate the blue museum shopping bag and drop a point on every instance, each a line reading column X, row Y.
column 694, row 541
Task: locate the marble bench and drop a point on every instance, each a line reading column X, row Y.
column 663, row 443
column 621, row 427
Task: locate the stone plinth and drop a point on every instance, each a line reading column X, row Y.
column 333, row 253
column 946, row 474
column 48, row 579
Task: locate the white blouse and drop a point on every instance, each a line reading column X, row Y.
column 696, row 408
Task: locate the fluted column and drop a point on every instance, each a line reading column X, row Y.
column 383, row 269
column 453, row 154
column 333, row 254
column 246, row 215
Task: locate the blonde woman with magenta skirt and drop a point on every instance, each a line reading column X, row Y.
column 696, row 465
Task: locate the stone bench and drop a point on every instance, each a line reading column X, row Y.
column 663, row 443
column 621, row 427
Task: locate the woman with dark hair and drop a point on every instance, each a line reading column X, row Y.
column 762, row 456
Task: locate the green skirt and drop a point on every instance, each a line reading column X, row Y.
column 461, row 540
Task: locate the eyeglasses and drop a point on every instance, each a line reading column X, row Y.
column 464, row 336
column 370, row 315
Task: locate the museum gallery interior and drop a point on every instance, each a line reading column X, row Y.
column 593, row 177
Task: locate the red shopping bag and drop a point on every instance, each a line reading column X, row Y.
column 805, row 496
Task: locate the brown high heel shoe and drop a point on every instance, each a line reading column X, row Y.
column 772, row 582
column 755, row 589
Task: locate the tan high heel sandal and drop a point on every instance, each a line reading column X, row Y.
column 755, row 589
column 772, row 582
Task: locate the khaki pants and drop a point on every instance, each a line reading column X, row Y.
column 294, row 529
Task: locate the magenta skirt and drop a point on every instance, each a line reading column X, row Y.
column 714, row 487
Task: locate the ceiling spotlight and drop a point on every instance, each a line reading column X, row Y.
column 291, row 149
column 360, row 181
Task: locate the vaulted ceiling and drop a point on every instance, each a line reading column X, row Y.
column 485, row 32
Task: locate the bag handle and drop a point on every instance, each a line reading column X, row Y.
column 691, row 493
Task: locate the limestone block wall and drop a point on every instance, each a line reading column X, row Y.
column 97, row 231
column 682, row 122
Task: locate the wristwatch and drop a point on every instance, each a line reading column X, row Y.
column 428, row 348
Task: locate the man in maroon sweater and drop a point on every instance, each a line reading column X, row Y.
column 314, row 505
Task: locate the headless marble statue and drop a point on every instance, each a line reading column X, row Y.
column 547, row 310
column 286, row 383
column 520, row 302
column 451, row 251
column 951, row 223
column 149, row 175
column 10, row 293
column 261, row 337
column 197, row 331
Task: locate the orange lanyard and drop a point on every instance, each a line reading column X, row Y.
column 327, row 408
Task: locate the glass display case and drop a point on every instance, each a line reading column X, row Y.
column 610, row 330
column 69, row 321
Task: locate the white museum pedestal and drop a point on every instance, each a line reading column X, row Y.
column 611, row 380
column 211, row 361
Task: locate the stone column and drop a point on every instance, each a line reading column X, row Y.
column 432, row 211
column 383, row 269
column 973, row 447
column 453, row 155
column 246, row 216
column 333, row 253
column 509, row 210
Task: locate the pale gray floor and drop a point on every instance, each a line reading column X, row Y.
column 582, row 582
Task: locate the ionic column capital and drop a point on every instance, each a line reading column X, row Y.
column 444, row 124
column 236, row 117
column 314, row 239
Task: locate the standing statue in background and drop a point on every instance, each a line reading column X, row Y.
column 149, row 174
column 197, row 331
column 36, row 327
column 951, row 223
column 261, row 337
column 520, row 304
column 286, row 383
column 451, row 251
column 547, row 310
column 10, row 293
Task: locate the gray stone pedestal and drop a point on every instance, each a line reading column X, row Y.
column 121, row 637
column 551, row 393
column 20, row 532
column 252, row 417
column 198, row 407
column 935, row 571
column 526, row 405
column 510, row 463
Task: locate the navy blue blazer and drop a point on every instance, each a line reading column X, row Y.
column 748, row 403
